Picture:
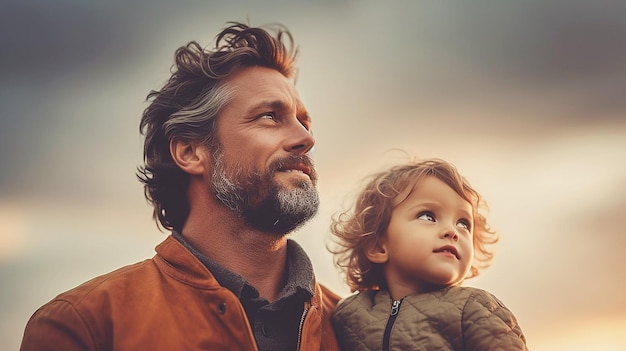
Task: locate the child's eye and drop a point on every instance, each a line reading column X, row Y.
column 426, row 216
column 464, row 224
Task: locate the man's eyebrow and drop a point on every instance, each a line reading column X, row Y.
column 277, row 104
column 270, row 104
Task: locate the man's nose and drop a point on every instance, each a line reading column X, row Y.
column 300, row 140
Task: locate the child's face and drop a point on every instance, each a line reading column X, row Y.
column 429, row 241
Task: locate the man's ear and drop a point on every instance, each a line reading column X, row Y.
column 377, row 253
column 190, row 157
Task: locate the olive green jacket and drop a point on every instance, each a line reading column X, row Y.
column 455, row 318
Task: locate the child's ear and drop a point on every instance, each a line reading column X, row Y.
column 377, row 253
column 190, row 157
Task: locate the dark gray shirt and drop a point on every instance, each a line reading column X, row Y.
column 275, row 325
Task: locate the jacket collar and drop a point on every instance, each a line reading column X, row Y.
column 178, row 262
column 300, row 278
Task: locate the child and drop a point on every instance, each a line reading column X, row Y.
column 414, row 235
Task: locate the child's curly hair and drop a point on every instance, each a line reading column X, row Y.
column 358, row 229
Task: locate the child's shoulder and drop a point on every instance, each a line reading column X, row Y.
column 371, row 301
column 476, row 296
column 361, row 306
column 364, row 298
column 457, row 295
column 466, row 291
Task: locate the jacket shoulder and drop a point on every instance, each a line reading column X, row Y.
column 71, row 311
column 362, row 299
column 489, row 322
column 359, row 320
column 116, row 279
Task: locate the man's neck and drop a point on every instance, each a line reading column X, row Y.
column 258, row 257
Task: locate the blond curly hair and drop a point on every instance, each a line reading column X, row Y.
column 357, row 229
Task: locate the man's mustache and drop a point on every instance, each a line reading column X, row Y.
column 292, row 161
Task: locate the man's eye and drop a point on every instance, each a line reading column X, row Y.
column 267, row 116
column 426, row 216
column 307, row 126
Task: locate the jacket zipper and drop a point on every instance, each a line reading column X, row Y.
column 306, row 310
column 395, row 308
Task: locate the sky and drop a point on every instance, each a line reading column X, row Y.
column 526, row 98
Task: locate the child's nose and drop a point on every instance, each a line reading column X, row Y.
column 451, row 234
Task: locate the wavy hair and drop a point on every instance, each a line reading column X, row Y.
column 356, row 230
column 186, row 107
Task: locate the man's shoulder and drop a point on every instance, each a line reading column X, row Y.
column 86, row 306
column 115, row 281
column 172, row 262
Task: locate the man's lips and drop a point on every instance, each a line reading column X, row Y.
column 448, row 248
column 299, row 167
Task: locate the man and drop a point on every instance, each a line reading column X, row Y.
column 227, row 171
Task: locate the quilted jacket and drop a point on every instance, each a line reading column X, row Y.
column 169, row 302
column 455, row 318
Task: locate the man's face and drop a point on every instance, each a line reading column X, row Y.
column 260, row 167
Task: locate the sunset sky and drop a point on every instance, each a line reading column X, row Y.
column 527, row 98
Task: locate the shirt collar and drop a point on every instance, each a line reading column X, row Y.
column 300, row 277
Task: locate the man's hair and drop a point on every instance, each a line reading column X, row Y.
column 357, row 230
column 186, row 107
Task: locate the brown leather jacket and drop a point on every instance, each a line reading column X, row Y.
column 169, row 302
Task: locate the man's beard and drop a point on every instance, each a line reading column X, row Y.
column 263, row 203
